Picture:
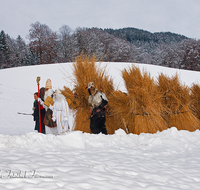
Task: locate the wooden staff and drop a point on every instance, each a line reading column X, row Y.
column 38, row 83
column 25, row 113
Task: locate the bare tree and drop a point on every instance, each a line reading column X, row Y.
column 43, row 42
column 191, row 57
column 65, row 44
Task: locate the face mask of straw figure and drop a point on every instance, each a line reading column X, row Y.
column 97, row 101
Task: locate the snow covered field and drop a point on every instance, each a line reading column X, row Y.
column 168, row 160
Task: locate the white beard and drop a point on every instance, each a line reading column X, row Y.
column 48, row 93
column 58, row 97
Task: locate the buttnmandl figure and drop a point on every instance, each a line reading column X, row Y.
column 97, row 101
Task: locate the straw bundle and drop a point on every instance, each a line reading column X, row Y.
column 86, row 70
column 141, row 107
column 71, row 98
column 176, row 103
column 195, row 100
column 119, row 102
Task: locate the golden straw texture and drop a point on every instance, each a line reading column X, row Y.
column 141, row 106
column 176, row 103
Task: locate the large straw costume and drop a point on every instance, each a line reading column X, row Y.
column 85, row 70
column 141, row 106
column 176, row 103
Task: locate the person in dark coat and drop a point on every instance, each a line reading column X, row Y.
column 36, row 115
column 97, row 101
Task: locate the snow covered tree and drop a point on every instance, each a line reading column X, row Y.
column 191, row 57
column 79, row 38
column 93, row 43
column 30, row 58
column 168, row 55
column 4, row 51
column 65, row 44
column 21, row 51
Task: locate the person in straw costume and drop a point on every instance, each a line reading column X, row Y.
column 141, row 106
column 60, row 110
column 176, row 103
column 85, row 70
column 97, row 101
column 50, row 125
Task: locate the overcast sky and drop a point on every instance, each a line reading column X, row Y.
column 177, row 16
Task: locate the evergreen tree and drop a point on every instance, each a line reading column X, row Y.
column 31, row 58
column 21, row 51
column 4, row 51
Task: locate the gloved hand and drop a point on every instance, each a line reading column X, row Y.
column 98, row 110
column 41, row 102
column 51, row 107
column 54, row 119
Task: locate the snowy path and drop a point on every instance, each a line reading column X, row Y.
column 169, row 160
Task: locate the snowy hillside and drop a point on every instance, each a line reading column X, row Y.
column 168, row 160
column 17, row 86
